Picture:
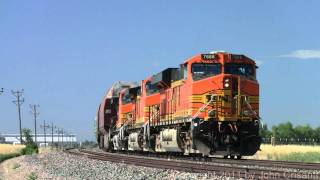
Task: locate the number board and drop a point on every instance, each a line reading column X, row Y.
column 208, row 56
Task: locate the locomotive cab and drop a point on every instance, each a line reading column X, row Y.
column 225, row 104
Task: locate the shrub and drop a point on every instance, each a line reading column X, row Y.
column 29, row 149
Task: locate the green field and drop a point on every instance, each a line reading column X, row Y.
column 300, row 153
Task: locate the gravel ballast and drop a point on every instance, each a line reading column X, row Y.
column 59, row 165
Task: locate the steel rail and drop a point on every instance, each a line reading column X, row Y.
column 246, row 162
column 227, row 168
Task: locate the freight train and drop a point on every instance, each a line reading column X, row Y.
column 207, row 106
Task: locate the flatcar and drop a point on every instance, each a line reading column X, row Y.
column 209, row 105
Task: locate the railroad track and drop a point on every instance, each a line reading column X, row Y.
column 247, row 169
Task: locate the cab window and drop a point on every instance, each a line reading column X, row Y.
column 185, row 71
column 246, row 70
column 151, row 88
column 204, row 70
column 126, row 97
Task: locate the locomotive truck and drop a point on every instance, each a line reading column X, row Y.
column 207, row 106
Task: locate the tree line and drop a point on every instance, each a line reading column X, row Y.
column 288, row 132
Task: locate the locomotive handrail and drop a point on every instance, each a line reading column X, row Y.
column 250, row 108
column 203, row 107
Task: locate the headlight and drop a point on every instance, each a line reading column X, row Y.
column 226, row 83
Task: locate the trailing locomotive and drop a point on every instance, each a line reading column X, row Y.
column 209, row 105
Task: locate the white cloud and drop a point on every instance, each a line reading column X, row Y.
column 304, row 54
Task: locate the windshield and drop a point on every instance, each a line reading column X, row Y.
column 151, row 88
column 239, row 69
column 126, row 97
column 201, row 71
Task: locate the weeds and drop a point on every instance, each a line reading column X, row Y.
column 15, row 166
column 32, row 176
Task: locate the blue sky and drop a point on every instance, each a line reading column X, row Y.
column 65, row 54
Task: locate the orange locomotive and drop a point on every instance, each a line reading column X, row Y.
column 209, row 105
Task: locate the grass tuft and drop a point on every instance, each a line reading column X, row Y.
column 15, row 166
column 32, row 176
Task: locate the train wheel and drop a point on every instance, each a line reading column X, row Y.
column 101, row 142
column 225, row 157
column 106, row 142
column 231, row 157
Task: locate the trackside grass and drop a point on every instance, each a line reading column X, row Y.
column 8, row 151
column 9, row 148
column 4, row 157
column 301, row 153
column 301, row 157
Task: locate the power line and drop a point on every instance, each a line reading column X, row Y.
column 35, row 112
column 58, row 132
column 44, row 126
column 62, row 137
column 52, row 130
column 20, row 100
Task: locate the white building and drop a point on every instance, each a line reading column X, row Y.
column 41, row 139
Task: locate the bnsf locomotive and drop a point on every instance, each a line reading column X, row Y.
column 207, row 106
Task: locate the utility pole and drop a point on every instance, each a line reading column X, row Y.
column 62, row 138
column 58, row 131
column 52, row 129
column 19, row 102
column 44, row 126
column 1, row 91
column 35, row 112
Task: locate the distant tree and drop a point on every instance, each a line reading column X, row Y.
column 303, row 132
column 264, row 132
column 27, row 135
column 31, row 146
column 283, row 130
column 89, row 144
column 316, row 133
column 2, row 139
